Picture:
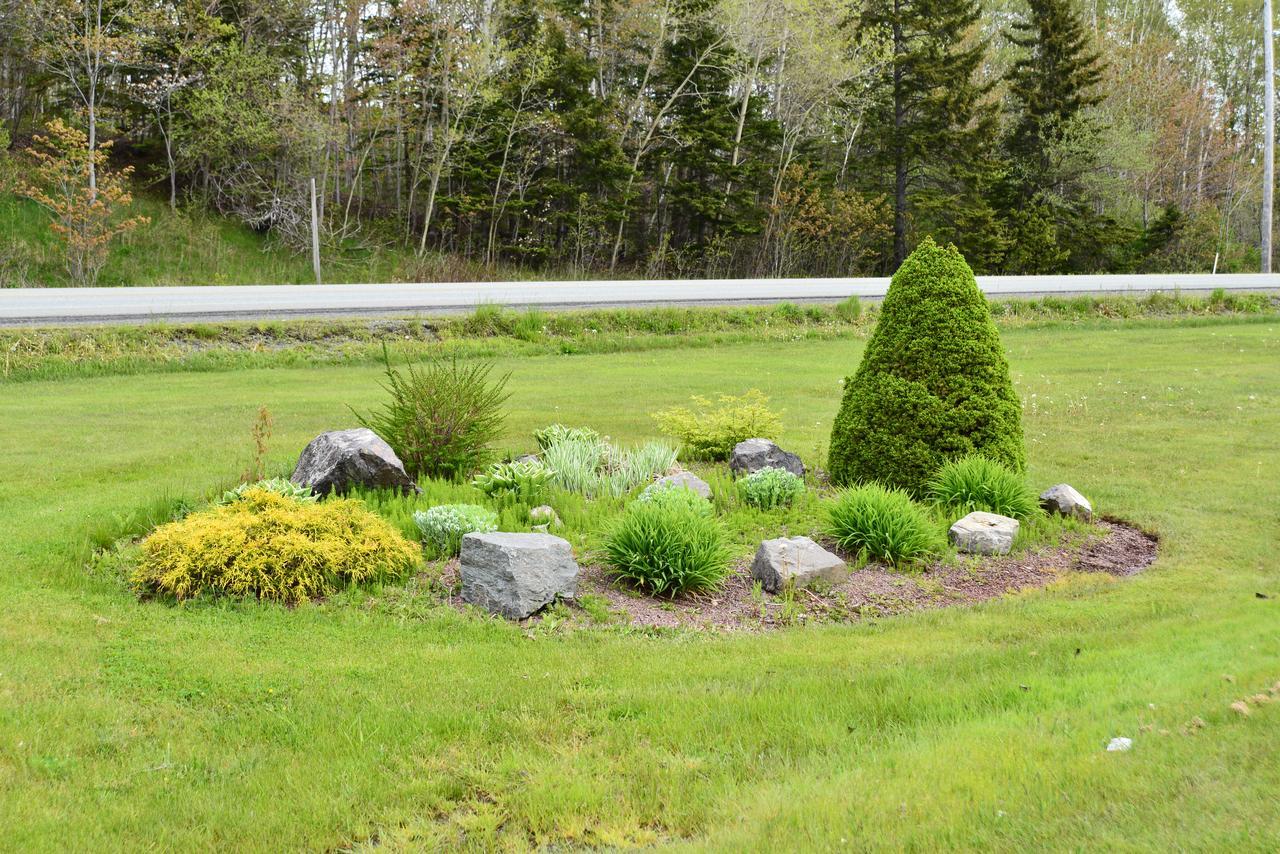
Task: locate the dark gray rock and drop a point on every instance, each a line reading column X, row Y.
column 982, row 533
column 340, row 459
column 682, row 480
column 1064, row 499
column 796, row 559
column 516, row 574
column 754, row 454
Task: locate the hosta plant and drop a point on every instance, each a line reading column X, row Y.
column 527, row 481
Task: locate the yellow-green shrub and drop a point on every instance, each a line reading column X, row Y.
column 273, row 547
column 712, row 429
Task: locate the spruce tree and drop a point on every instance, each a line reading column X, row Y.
column 1049, row 87
column 933, row 383
column 1051, row 143
column 930, row 121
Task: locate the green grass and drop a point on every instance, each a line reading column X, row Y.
column 380, row 720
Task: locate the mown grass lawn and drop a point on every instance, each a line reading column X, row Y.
column 127, row 725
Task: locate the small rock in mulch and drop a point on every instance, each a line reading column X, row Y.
column 1065, row 500
column 982, row 533
column 795, row 560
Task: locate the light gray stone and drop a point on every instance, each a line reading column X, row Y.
column 1065, row 500
column 543, row 518
column 984, row 533
column 683, row 480
column 516, row 574
column 754, row 454
column 340, row 459
column 796, row 559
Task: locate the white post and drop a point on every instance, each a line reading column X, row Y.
column 315, row 230
column 1269, row 134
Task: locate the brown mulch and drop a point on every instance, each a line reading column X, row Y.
column 876, row 590
column 872, row 591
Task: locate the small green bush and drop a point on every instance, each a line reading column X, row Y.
column 933, row 383
column 278, row 485
column 527, row 481
column 667, row 549
column 771, row 487
column 976, row 483
column 443, row 527
column 710, row 430
column 878, row 523
column 273, row 547
column 674, row 495
column 441, row 417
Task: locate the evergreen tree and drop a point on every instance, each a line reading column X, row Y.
column 930, row 121
column 933, row 384
column 1051, row 144
column 1049, row 87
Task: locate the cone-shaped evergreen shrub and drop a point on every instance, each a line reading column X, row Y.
column 933, row 384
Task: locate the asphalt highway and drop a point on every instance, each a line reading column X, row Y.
column 72, row 306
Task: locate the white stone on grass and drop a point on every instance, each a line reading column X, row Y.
column 515, row 575
column 984, row 533
column 798, row 560
column 1065, row 500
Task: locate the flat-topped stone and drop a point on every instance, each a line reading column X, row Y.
column 515, row 575
column 683, row 480
column 798, row 560
column 339, row 460
column 1066, row 501
column 754, row 454
column 984, row 533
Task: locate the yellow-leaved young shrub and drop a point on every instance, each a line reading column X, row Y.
column 272, row 547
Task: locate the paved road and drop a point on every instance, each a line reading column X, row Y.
column 68, row 306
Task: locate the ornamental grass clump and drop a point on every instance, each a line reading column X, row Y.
column 878, row 523
column 593, row 467
column 272, row 547
column 976, row 483
column 710, row 430
column 443, row 527
column 933, row 383
column 666, row 548
column 771, row 487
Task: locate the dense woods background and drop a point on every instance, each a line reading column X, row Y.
column 673, row 137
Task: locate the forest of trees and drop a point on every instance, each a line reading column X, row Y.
column 673, row 137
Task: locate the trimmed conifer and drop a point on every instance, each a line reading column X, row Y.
column 933, row 384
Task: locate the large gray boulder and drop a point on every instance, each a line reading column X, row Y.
column 516, row 574
column 982, row 533
column 1065, row 500
column 340, row 459
column 754, row 454
column 798, row 560
column 682, row 480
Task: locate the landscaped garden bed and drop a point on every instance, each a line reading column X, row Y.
column 923, row 502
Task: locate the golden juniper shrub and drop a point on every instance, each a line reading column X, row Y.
column 712, row 429
column 273, row 547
